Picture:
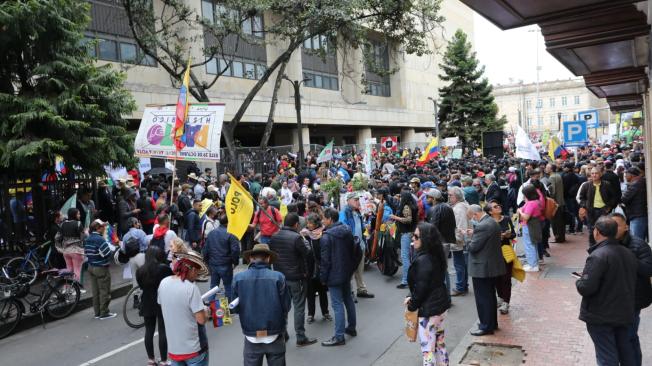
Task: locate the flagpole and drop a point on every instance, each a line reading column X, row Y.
column 174, row 173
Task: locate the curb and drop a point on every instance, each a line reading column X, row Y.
column 460, row 350
column 34, row 320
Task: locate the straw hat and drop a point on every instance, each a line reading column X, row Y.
column 260, row 248
column 192, row 176
column 197, row 259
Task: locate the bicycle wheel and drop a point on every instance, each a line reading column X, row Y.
column 131, row 308
column 19, row 265
column 10, row 315
column 63, row 299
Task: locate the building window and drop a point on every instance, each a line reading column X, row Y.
column 376, row 84
column 529, row 120
column 552, row 102
column 213, row 13
column 539, row 103
column 564, row 101
column 540, row 121
column 316, row 43
column 528, row 104
column 238, row 68
column 552, row 119
column 577, row 99
column 322, row 81
column 112, row 48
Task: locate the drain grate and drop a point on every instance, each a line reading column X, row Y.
column 561, row 273
column 489, row 354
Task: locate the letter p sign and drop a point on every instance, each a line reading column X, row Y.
column 575, row 133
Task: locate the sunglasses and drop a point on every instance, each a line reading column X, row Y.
column 416, row 237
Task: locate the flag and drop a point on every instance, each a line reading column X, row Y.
column 59, row 165
column 555, row 148
column 525, row 149
column 406, row 154
column 178, row 132
column 431, row 152
column 326, row 154
column 70, row 203
column 239, row 208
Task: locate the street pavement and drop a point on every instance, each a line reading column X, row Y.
column 81, row 340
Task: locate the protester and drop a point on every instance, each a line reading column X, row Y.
column 135, row 236
column 268, row 223
column 442, row 216
column 406, row 222
column 193, row 225
column 597, row 199
column 162, row 236
column 69, row 241
column 210, row 223
column 607, row 286
column 126, row 209
column 312, row 233
column 352, row 217
column 557, row 193
column 149, row 277
column 98, row 254
column 531, row 218
column 147, row 214
column 222, row 253
column 459, row 250
column 507, row 233
column 635, row 200
column 428, row 293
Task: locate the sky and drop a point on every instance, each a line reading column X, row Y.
column 511, row 55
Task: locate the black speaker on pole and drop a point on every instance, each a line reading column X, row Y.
column 492, row 144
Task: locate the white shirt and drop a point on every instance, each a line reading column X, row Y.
column 286, row 196
column 266, row 340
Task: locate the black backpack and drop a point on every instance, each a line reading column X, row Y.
column 159, row 242
column 132, row 247
column 387, row 254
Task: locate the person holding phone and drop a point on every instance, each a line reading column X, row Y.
column 507, row 233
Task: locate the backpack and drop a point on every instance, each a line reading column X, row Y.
column 387, row 254
column 132, row 247
column 551, row 208
column 159, row 242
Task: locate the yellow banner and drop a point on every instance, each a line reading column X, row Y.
column 239, row 208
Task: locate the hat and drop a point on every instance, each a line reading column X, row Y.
column 512, row 169
column 99, row 222
column 211, row 188
column 434, row 193
column 427, row 185
column 415, row 180
column 634, row 171
column 195, row 258
column 352, row 195
column 192, row 176
column 260, row 248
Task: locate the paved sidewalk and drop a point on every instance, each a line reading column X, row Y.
column 544, row 312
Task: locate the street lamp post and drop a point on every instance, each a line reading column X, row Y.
column 558, row 121
column 434, row 102
column 297, row 106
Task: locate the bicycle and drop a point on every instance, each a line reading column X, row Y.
column 132, row 308
column 30, row 264
column 58, row 298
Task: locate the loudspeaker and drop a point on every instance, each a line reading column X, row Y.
column 492, row 144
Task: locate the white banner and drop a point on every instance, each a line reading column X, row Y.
column 203, row 131
column 451, row 141
column 144, row 165
column 525, row 149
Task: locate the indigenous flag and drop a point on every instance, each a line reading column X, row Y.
column 239, row 208
column 326, row 154
column 431, row 152
column 178, row 132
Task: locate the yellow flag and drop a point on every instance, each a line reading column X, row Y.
column 283, row 210
column 239, row 208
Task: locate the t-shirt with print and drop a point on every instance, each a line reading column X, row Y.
column 532, row 208
column 179, row 301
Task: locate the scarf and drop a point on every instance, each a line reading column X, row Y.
column 160, row 232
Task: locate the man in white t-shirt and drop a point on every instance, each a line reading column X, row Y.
column 184, row 312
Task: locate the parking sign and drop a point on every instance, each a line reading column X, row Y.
column 591, row 118
column 575, row 133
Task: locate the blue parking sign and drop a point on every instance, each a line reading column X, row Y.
column 591, row 117
column 575, row 133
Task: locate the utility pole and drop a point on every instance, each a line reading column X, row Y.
column 434, row 102
column 558, row 121
column 297, row 106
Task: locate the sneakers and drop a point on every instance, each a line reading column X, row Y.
column 351, row 332
column 402, row 286
column 366, row 294
column 458, row 293
column 311, row 319
column 528, row 268
column 499, row 302
column 107, row 316
column 504, row 308
column 328, row 317
column 333, row 342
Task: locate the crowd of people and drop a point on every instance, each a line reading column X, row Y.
column 317, row 229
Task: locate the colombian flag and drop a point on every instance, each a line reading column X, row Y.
column 178, row 132
column 556, row 149
column 431, row 152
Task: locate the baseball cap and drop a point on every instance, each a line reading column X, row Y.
column 352, row 195
column 434, row 193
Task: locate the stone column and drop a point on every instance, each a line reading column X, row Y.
column 306, row 139
column 363, row 135
column 408, row 135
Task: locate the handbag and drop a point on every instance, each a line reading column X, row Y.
column 411, row 325
column 508, row 253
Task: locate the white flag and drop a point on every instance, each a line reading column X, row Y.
column 326, row 154
column 525, row 149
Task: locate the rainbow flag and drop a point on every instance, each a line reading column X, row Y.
column 431, row 152
column 178, row 132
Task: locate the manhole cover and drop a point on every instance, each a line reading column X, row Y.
column 486, row 354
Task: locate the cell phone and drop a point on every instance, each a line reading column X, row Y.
column 576, row 275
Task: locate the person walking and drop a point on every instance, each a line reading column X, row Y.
column 292, row 254
column 486, row 265
column 98, row 254
column 312, row 234
column 352, row 217
column 607, row 286
column 459, row 249
column 222, row 253
column 428, row 293
column 263, row 306
column 148, row 278
column 596, row 199
column 268, row 224
column 507, row 233
column 184, row 311
column 69, row 241
column 338, row 263
column 406, row 222
column 643, row 292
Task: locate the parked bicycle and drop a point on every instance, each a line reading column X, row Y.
column 132, row 308
column 58, row 297
column 30, row 264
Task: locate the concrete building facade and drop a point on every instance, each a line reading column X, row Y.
column 558, row 100
column 335, row 103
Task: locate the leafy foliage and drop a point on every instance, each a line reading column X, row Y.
column 467, row 107
column 53, row 99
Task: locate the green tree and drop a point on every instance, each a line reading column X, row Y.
column 53, row 99
column 167, row 30
column 466, row 106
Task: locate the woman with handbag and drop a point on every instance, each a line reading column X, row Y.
column 312, row 234
column 69, row 241
column 531, row 216
column 507, row 233
column 428, row 294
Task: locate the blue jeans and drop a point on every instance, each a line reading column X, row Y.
column 633, row 333
column 406, row 239
column 200, row 360
column 638, row 227
column 341, row 298
column 460, row 262
column 531, row 250
column 265, row 239
column 225, row 273
column 613, row 345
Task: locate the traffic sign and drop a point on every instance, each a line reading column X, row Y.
column 575, row 133
column 591, row 117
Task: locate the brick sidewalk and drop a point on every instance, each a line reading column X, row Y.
column 544, row 312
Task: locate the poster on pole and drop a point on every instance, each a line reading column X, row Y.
column 451, row 141
column 203, row 132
